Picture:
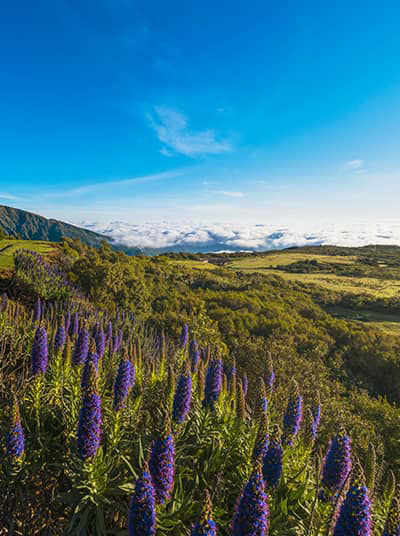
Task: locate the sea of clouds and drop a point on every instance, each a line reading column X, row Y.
column 192, row 237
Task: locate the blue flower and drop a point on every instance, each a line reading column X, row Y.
column 162, row 464
column 40, row 352
column 142, row 513
column 182, row 398
column 251, row 515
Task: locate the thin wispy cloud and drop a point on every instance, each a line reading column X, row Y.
column 100, row 186
column 354, row 164
column 230, row 194
column 172, row 130
column 9, row 197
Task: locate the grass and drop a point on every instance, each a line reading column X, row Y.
column 197, row 265
column 8, row 248
column 271, row 260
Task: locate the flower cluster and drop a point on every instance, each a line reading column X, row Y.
column 142, row 515
column 182, row 398
column 162, row 464
column 336, row 467
column 251, row 515
column 293, row 416
column 40, row 352
column 213, row 384
column 15, row 439
column 122, row 384
column 89, row 425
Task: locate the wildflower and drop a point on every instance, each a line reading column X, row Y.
column 213, row 384
column 59, row 339
column 251, row 515
column 67, row 321
column 122, row 384
column 184, row 336
column 293, row 415
column 232, row 374
column 205, row 526
column 15, row 439
column 81, row 348
column 92, row 357
column 182, row 398
column 74, row 328
column 240, row 403
column 261, row 442
column 273, row 459
column 109, row 330
column 355, row 512
column 89, row 425
column 162, row 464
column 39, row 351
column 100, row 342
column 142, row 514
column 316, row 411
column 336, row 467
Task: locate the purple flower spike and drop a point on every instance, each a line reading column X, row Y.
column 15, row 439
column 89, row 425
column 142, row 509
column 60, row 337
column 251, row 515
column 67, row 321
column 355, row 513
column 109, row 330
column 213, row 384
column 316, row 418
column 184, row 336
column 205, row 526
column 273, row 461
column 182, row 398
column 122, row 384
column 162, row 466
column 337, row 465
column 74, row 328
column 132, row 375
column 40, row 351
column 81, row 348
column 100, row 342
column 92, row 357
column 293, row 416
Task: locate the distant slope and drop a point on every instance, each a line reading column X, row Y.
column 31, row 226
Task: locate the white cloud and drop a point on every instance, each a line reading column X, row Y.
column 9, row 197
column 354, row 164
column 230, row 194
column 256, row 237
column 98, row 186
column 172, row 130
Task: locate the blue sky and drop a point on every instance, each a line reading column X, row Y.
column 240, row 111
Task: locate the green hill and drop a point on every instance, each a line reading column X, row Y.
column 28, row 226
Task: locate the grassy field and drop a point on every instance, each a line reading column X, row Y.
column 8, row 248
column 270, row 260
column 198, row 265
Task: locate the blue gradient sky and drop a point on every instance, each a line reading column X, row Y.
column 208, row 111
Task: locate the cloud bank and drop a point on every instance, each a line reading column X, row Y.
column 192, row 237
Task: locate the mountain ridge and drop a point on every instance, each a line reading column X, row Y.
column 29, row 226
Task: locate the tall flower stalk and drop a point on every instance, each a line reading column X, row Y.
column 162, row 465
column 251, row 516
column 293, row 415
column 40, row 352
column 182, row 398
column 213, row 384
column 15, row 438
column 89, row 424
column 142, row 508
column 205, row 525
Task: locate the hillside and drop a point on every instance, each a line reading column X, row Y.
column 259, row 359
column 28, row 226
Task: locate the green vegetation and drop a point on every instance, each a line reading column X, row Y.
column 253, row 321
column 8, row 247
